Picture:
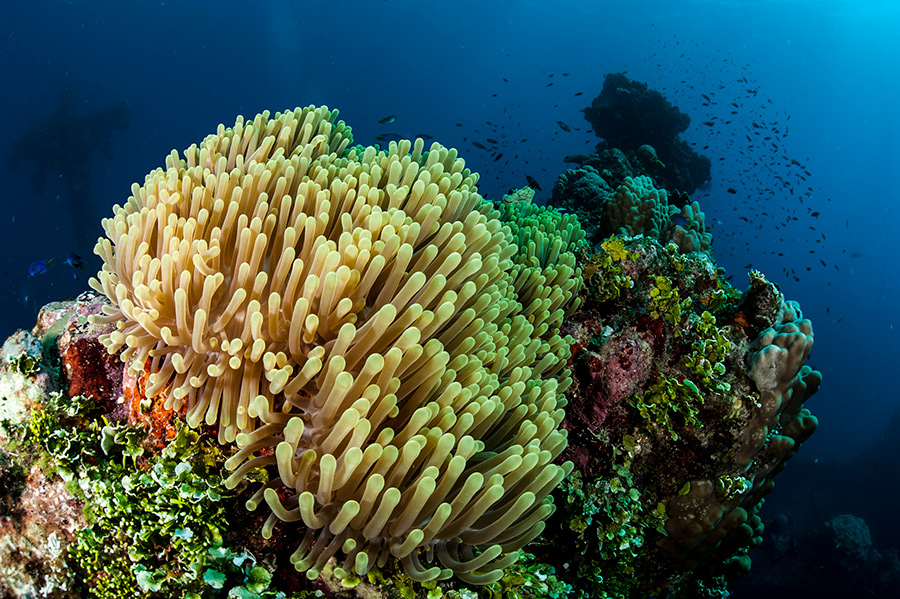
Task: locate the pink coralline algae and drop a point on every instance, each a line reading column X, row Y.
column 626, row 360
column 89, row 369
column 616, row 371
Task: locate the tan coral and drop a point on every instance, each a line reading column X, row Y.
column 523, row 195
column 358, row 311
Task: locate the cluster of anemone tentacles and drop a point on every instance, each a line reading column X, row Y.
column 364, row 324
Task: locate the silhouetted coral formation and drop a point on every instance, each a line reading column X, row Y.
column 646, row 128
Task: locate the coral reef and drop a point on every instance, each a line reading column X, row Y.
column 40, row 514
column 97, row 504
column 419, row 421
column 646, row 128
column 664, row 423
column 523, row 195
column 674, row 443
column 635, row 207
column 687, row 400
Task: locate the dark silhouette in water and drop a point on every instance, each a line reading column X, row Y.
column 640, row 122
column 62, row 144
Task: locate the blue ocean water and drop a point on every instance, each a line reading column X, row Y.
column 801, row 95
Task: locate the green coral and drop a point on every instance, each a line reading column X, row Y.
column 44, row 419
column 615, row 249
column 25, row 364
column 603, row 274
column 757, row 278
column 730, row 486
column 724, row 296
column 54, row 412
column 715, row 587
column 611, row 520
column 62, row 429
column 739, row 408
column 676, row 260
column 528, row 578
column 127, row 437
column 704, row 361
column 665, row 301
column 708, row 352
column 669, row 396
column 154, row 524
column 157, row 529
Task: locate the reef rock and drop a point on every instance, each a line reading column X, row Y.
column 646, row 129
column 687, row 398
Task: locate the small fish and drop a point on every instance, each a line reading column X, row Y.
column 678, row 219
column 532, row 183
column 731, row 190
column 387, row 137
column 74, row 260
column 388, row 119
column 564, row 126
column 480, row 146
column 39, row 267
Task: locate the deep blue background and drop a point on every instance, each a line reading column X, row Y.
column 826, row 73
